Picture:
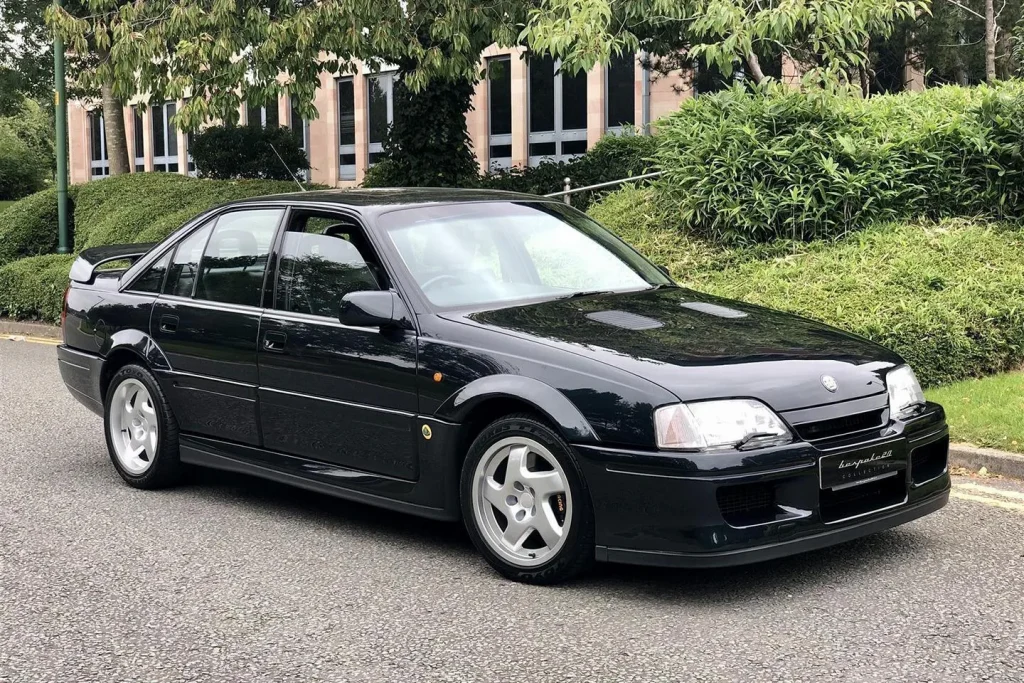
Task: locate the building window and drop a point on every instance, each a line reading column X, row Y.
column 558, row 112
column 165, row 138
column 380, row 111
column 499, row 112
column 263, row 116
column 138, row 143
column 347, row 128
column 99, row 165
column 620, row 102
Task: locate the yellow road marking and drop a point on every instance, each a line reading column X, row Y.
column 994, row 502
column 990, row 490
column 33, row 340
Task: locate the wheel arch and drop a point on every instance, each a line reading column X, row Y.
column 484, row 400
column 129, row 346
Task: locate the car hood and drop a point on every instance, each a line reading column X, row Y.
column 699, row 346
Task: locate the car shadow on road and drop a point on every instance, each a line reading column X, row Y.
column 816, row 572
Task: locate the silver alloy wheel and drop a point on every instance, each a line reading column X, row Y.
column 134, row 430
column 515, row 506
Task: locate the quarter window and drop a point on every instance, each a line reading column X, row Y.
column 185, row 264
column 153, row 278
column 236, row 257
column 323, row 262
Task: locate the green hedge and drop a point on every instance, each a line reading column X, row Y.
column 33, row 287
column 745, row 167
column 234, row 152
column 29, row 227
column 143, row 207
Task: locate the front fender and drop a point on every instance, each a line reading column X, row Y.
column 545, row 398
column 140, row 343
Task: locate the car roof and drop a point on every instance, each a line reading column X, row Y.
column 379, row 199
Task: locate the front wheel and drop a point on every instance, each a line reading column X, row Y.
column 142, row 434
column 525, row 502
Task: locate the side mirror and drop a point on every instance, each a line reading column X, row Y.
column 374, row 309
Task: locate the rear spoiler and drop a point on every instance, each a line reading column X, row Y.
column 84, row 268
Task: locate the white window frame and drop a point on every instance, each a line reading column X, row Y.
column 645, row 98
column 348, row 171
column 103, row 163
column 138, row 125
column 501, row 139
column 161, row 156
column 387, row 79
column 559, row 135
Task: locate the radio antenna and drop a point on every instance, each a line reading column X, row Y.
column 286, row 168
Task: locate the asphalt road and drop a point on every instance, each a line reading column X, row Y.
column 233, row 579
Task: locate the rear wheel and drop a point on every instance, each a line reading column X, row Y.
column 142, row 434
column 525, row 502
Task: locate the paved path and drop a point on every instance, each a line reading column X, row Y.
column 233, row 579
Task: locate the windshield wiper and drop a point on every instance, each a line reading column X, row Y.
column 578, row 295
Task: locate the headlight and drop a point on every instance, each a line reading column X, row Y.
column 905, row 393
column 741, row 423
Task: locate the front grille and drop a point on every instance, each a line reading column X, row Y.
column 929, row 461
column 847, row 424
column 747, row 504
column 857, row 500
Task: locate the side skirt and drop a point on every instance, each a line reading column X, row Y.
column 429, row 497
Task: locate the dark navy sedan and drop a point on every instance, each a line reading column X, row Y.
column 502, row 359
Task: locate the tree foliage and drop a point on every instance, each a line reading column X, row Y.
column 828, row 37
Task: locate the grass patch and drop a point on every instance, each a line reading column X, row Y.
column 985, row 412
column 5, row 204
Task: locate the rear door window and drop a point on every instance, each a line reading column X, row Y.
column 236, row 257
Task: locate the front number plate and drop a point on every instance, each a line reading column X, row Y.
column 862, row 465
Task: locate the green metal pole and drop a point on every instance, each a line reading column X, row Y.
column 60, row 100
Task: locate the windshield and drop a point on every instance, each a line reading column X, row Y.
column 498, row 253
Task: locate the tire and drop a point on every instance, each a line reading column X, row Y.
column 548, row 510
column 149, row 470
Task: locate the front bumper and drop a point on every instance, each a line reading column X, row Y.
column 712, row 510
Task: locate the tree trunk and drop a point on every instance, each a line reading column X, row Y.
column 754, row 64
column 863, row 70
column 990, row 41
column 113, row 128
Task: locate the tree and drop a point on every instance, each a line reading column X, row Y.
column 26, row 55
column 828, row 37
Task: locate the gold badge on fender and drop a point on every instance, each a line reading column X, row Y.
column 426, row 432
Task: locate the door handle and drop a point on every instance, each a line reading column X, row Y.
column 274, row 341
column 169, row 323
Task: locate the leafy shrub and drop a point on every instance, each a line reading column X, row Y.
column 235, row 152
column 428, row 145
column 33, row 287
column 776, row 163
column 22, row 169
column 946, row 296
column 29, row 227
column 613, row 157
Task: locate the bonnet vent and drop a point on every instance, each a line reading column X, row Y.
column 713, row 309
column 627, row 321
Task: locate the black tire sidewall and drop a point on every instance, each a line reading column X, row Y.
column 577, row 553
column 165, row 469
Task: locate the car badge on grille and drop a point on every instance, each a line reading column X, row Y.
column 830, row 383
